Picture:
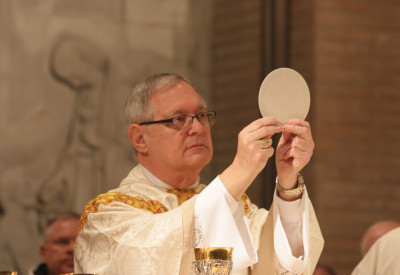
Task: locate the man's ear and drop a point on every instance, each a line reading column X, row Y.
column 42, row 252
column 137, row 136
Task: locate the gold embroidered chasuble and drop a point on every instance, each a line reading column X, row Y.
column 138, row 228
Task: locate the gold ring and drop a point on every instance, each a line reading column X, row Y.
column 266, row 143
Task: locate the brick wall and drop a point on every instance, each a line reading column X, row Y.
column 349, row 52
column 237, row 68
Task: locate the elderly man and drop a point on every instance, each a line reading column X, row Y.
column 57, row 249
column 160, row 212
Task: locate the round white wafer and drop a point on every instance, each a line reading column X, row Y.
column 284, row 94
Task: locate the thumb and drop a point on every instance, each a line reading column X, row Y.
column 286, row 137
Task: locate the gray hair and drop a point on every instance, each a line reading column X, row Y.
column 137, row 106
column 60, row 217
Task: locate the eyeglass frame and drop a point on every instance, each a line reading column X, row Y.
column 171, row 120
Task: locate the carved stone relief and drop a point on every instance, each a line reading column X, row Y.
column 66, row 70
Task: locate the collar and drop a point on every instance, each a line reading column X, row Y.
column 159, row 183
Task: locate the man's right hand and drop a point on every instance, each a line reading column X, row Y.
column 251, row 156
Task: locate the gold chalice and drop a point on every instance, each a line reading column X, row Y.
column 212, row 261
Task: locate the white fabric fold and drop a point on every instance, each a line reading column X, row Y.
column 224, row 227
column 291, row 232
column 223, row 223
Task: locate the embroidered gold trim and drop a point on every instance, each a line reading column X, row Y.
column 152, row 205
column 244, row 203
column 105, row 199
column 182, row 195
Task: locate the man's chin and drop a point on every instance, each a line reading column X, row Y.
column 200, row 151
column 198, row 162
column 68, row 267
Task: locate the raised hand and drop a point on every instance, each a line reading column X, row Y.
column 294, row 151
column 252, row 155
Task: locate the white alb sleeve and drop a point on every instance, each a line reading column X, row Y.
column 291, row 232
column 220, row 221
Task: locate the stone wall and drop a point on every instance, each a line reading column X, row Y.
column 66, row 68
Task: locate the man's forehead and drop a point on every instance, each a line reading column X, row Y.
column 57, row 225
column 171, row 111
column 184, row 101
column 199, row 108
column 63, row 229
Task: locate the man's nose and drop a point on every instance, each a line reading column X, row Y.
column 70, row 246
column 196, row 126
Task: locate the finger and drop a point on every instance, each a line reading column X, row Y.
column 262, row 155
column 269, row 152
column 295, row 129
column 301, row 144
column 254, row 139
column 282, row 151
column 265, row 132
column 261, row 122
column 288, row 154
column 300, row 122
column 298, row 127
column 286, row 136
column 283, row 147
column 299, row 157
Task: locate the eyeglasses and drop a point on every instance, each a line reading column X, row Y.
column 181, row 122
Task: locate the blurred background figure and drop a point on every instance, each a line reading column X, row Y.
column 374, row 232
column 57, row 248
column 383, row 257
column 323, row 270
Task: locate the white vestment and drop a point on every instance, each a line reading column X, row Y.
column 383, row 257
column 140, row 228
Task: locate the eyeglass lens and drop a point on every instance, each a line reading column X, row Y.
column 203, row 118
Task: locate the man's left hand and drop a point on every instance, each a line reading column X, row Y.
column 294, row 151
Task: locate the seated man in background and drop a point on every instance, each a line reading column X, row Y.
column 160, row 212
column 57, row 249
column 374, row 232
column 383, row 256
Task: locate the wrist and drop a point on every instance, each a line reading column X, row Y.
column 236, row 181
column 287, row 180
column 291, row 193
